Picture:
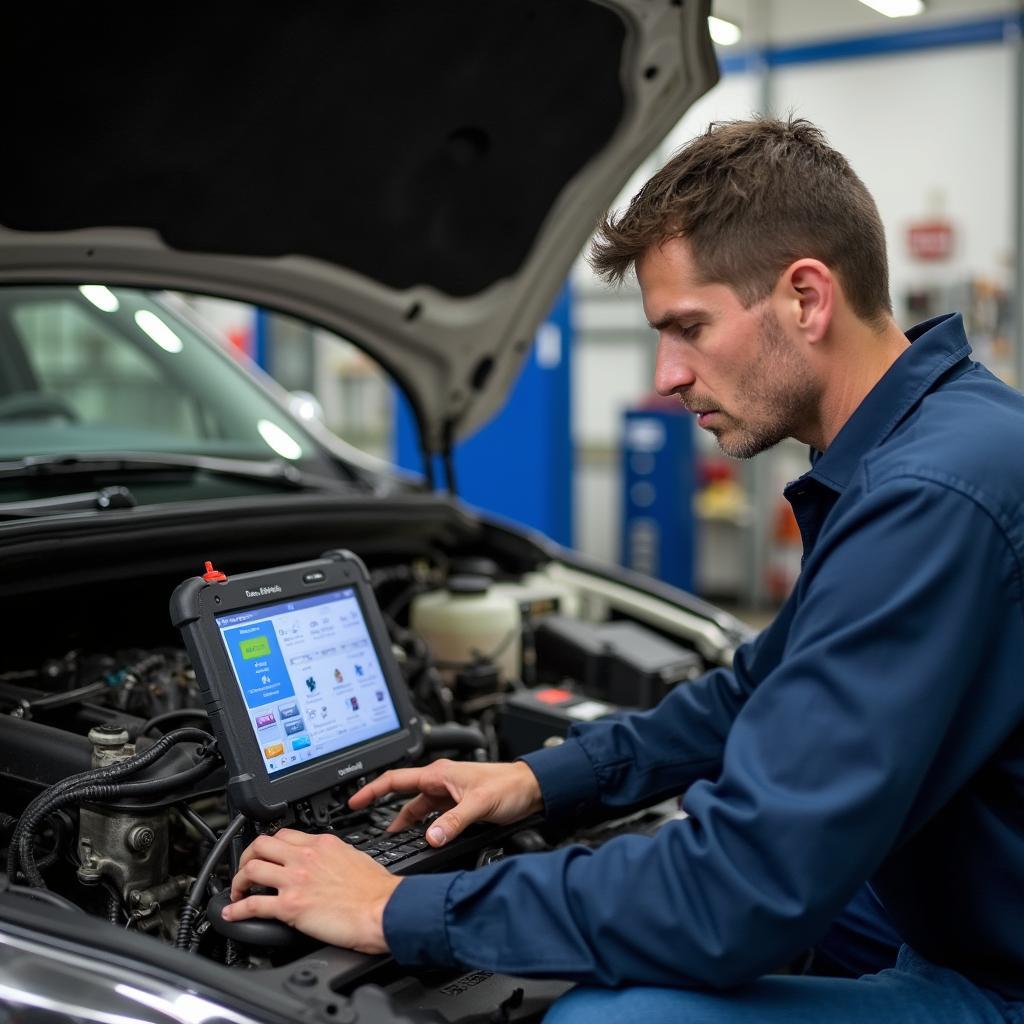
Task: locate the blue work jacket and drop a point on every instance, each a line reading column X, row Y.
column 871, row 732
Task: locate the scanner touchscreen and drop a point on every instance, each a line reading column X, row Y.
column 310, row 678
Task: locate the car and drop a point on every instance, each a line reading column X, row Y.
column 417, row 178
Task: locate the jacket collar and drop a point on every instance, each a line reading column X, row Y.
column 936, row 345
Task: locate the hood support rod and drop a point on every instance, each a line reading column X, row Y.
column 448, row 456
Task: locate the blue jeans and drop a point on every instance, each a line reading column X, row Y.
column 912, row 992
column 896, row 986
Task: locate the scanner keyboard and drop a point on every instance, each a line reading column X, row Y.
column 408, row 852
column 385, row 847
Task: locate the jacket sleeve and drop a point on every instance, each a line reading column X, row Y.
column 898, row 605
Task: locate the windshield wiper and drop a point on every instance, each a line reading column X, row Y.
column 104, row 498
column 271, row 472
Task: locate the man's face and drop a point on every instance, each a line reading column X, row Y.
column 747, row 381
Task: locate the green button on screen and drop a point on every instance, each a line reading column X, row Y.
column 257, row 647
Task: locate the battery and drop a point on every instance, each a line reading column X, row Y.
column 532, row 718
column 623, row 663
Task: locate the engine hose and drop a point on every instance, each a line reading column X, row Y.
column 98, row 687
column 123, row 678
column 76, row 696
column 451, row 736
column 158, row 787
column 97, row 793
column 49, row 798
column 213, row 858
column 108, row 773
column 8, row 821
column 184, row 937
column 126, row 767
column 197, row 822
column 51, row 856
column 172, row 716
column 433, row 683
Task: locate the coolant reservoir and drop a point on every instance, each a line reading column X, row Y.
column 537, row 595
column 468, row 621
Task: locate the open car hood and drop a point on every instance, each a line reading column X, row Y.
column 418, row 177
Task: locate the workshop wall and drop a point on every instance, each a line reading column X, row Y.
column 931, row 134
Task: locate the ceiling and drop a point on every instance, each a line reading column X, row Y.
column 792, row 22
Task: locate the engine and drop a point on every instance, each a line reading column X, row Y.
column 113, row 793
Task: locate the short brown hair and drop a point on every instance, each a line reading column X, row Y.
column 750, row 197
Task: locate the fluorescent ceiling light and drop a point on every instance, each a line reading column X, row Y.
column 895, row 8
column 283, row 443
column 101, row 297
column 152, row 325
column 723, row 32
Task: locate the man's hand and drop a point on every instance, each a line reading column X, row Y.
column 324, row 888
column 465, row 790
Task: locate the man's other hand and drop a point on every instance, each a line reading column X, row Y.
column 324, row 888
column 465, row 791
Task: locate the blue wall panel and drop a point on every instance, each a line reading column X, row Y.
column 520, row 464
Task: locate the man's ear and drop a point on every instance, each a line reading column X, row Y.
column 809, row 290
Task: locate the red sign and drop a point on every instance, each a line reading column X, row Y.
column 930, row 240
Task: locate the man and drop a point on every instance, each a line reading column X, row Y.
column 871, row 733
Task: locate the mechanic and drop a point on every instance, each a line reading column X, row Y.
column 870, row 734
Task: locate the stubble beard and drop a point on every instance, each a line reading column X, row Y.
column 779, row 390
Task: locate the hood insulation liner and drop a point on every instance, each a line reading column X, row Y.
column 414, row 143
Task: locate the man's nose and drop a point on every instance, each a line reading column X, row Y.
column 672, row 370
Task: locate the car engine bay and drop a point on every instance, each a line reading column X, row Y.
column 113, row 792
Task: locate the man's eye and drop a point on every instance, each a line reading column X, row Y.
column 690, row 333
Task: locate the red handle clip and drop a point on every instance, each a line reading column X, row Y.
column 213, row 575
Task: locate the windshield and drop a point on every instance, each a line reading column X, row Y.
column 95, row 369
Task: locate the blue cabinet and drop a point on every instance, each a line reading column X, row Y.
column 658, row 481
